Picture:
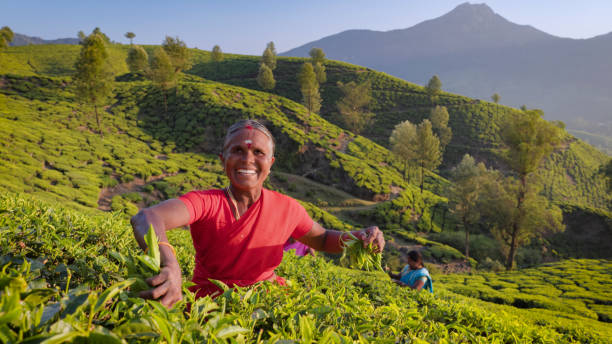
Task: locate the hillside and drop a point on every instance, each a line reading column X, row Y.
column 20, row 39
column 477, row 52
column 59, row 157
column 72, row 287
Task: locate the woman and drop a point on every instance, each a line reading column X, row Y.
column 414, row 274
column 238, row 232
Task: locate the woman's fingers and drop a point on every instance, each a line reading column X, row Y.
column 373, row 235
column 155, row 293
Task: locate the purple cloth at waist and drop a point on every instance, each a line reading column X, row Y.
column 300, row 249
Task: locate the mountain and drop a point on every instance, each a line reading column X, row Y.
column 477, row 52
column 19, row 40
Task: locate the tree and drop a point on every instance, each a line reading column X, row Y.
column 137, row 59
column 606, row 170
column 464, row 194
column 495, row 97
column 265, row 78
column 310, row 88
column 177, row 53
column 428, row 149
column 216, row 54
column 529, row 139
column 97, row 31
column 93, row 78
column 535, row 217
column 319, row 70
column 130, row 36
column 81, row 36
column 317, row 55
column 162, row 73
column 6, row 36
column 403, row 141
column 433, row 88
column 439, row 121
column 353, row 106
column 269, row 57
column 270, row 46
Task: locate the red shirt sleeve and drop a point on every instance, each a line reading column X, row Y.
column 304, row 222
column 198, row 204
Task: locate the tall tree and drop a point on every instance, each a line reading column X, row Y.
column 529, row 139
column 403, row 141
column 433, row 88
column 162, row 73
column 97, row 31
column 265, row 78
column 81, row 36
column 178, row 53
column 463, row 195
column 495, row 97
column 272, row 48
column 310, row 88
column 317, row 55
column 319, row 70
column 216, row 54
column 606, row 170
column 439, row 121
column 535, row 217
column 130, row 36
column 6, row 36
column 269, row 56
column 138, row 59
column 353, row 106
column 429, row 156
column 93, row 78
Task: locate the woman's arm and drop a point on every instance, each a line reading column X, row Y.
column 163, row 216
column 327, row 240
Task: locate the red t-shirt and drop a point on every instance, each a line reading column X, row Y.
column 245, row 251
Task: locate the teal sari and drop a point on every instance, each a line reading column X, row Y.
column 411, row 276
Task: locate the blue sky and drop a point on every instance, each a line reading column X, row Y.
column 246, row 26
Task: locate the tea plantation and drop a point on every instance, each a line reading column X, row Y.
column 62, row 282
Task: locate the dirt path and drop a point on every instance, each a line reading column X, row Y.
column 107, row 194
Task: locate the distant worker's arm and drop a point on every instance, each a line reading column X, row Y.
column 163, row 216
column 327, row 240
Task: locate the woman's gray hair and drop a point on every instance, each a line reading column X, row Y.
column 248, row 123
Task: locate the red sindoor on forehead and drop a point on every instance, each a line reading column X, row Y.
column 248, row 127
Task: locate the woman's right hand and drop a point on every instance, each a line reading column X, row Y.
column 167, row 286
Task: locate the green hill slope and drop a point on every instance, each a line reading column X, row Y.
column 65, row 249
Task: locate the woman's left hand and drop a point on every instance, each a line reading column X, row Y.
column 372, row 235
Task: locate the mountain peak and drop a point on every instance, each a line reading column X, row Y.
column 467, row 8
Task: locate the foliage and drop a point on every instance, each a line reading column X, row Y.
column 319, row 70
column 317, row 55
column 403, row 141
column 495, row 98
column 310, row 88
column 464, row 193
column 138, row 59
column 322, row 302
column 573, row 286
column 269, row 56
column 353, row 106
column 434, row 86
column 356, row 256
column 439, row 122
column 93, row 76
column 162, row 73
column 178, row 53
column 529, row 139
column 6, row 36
column 130, row 36
column 265, row 78
column 216, row 54
column 428, row 155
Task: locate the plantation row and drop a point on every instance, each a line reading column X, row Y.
column 576, row 286
column 64, row 249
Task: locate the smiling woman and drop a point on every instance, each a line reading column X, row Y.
column 238, row 232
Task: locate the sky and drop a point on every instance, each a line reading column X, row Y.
column 244, row 27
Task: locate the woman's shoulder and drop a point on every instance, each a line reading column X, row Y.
column 278, row 197
column 201, row 194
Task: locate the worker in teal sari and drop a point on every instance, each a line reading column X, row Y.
column 414, row 274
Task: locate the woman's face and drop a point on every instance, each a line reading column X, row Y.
column 413, row 265
column 247, row 158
